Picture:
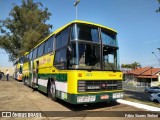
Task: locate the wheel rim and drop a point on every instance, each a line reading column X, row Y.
column 52, row 90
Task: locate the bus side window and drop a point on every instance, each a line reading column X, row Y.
column 48, row 45
column 41, row 50
column 35, row 53
column 61, row 49
column 62, row 38
column 30, row 55
column 108, row 39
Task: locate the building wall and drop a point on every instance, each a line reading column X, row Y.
column 158, row 76
column 3, row 69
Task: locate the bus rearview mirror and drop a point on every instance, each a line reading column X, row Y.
column 69, row 52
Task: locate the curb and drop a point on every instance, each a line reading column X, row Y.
column 138, row 105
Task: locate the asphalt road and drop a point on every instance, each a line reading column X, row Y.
column 14, row 96
column 137, row 94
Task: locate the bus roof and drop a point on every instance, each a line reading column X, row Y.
column 75, row 21
column 26, row 53
column 85, row 22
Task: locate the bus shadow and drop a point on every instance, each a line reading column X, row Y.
column 82, row 107
column 90, row 106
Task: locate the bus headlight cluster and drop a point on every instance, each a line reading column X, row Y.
column 81, row 86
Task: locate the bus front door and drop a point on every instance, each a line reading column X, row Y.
column 35, row 75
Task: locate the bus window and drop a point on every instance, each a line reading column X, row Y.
column 60, row 59
column 40, row 50
column 109, row 58
column 87, row 33
column 73, row 32
column 48, row 45
column 62, row 39
column 20, row 69
column 74, row 59
column 61, row 48
column 26, row 57
column 87, row 56
column 108, row 38
column 30, row 55
column 35, row 53
column 21, row 59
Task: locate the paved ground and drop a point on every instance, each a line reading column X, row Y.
column 14, row 96
column 141, row 95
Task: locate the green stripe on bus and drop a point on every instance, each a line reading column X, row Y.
column 42, row 88
column 59, row 77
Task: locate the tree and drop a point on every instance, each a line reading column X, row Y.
column 131, row 66
column 135, row 65
column 158, row 10
column 24, row 28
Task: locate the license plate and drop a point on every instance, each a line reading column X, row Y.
column 117, row 95
column 86, row 99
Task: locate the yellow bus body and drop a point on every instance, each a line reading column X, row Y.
column 67, row 81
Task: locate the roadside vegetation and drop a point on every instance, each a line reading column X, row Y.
column 25, row 26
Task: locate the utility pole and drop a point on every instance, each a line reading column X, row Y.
column 76, row 4
column 151, row 76
column 159, row 50
column 156, row 57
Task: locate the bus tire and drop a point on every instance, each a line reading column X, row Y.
column 24, row 79
column 52, row 90
column 156, row 101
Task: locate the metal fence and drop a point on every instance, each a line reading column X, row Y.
column 135, row 87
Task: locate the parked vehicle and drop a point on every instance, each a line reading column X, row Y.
column 154, row 89
column 155, row 97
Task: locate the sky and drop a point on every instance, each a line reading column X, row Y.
column 136, row 21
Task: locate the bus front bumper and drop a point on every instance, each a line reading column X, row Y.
column 94, row 97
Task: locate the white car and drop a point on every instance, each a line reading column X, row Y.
column 155, row 97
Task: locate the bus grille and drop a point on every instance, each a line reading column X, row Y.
column 99, row 85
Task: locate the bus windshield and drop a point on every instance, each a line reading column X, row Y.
column 109, row 58
column 85, row 56
column 88, row 52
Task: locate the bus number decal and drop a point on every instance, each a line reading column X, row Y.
column 88, row 74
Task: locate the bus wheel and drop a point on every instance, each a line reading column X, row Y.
column 52, row 91
column 24, row 80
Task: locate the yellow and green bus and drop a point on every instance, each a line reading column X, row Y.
column 77, row 63
column 17, row 67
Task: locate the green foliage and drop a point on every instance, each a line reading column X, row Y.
column 24, row 28
column 158, row 10
column 131, row 66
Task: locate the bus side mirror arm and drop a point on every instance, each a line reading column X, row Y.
column 69, row 53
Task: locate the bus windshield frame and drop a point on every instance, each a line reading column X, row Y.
column 93, row 48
